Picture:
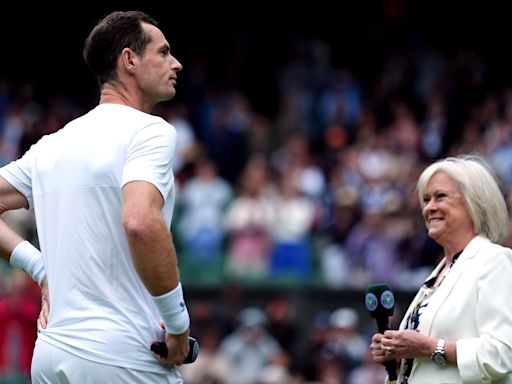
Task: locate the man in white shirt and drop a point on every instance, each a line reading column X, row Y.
column 102, row 190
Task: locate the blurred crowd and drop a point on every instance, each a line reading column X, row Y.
column 261, row 346
column 319, row 191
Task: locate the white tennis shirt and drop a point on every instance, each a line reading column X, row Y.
column 99, row 308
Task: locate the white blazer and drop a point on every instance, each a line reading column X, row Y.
column 473, row 306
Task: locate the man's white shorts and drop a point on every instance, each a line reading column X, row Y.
column 52, row 365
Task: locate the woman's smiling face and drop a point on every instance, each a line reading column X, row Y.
column 445, row 212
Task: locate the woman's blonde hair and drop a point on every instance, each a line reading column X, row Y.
column 480, row 188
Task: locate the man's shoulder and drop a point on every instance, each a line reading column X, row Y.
column 109, row 116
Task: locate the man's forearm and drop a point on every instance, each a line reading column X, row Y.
column 155, row 260
column 154, row 256
column 20, row 253
column 9, row 239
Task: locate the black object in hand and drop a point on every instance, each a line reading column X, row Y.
column 160, row 348
column 380, row 303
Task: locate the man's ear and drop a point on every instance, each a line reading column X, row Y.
column 128, row 59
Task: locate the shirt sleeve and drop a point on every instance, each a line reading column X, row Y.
column 18, row 173
column 149, row 157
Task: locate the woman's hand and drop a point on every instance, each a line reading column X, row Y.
column 401, row 344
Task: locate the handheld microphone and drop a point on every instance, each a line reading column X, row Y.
column 160, row 348
column 380, row 303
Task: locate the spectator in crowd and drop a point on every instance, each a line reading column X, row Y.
column 295, row 215
column 188, row 147
column 202, row 203
column 250, row 348
column 316, row 335
column 19, row 310
column 282, row 323
column 210, row 367
column 368, row 372
column 249, row 219
column 345, row 342
column 371, row 250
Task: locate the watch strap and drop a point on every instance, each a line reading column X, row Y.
column 439, row 354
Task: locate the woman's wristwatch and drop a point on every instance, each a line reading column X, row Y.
column 439, row 356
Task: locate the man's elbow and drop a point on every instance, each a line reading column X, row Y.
column 138, row 226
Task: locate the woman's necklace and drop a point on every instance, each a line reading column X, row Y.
column 439, row 279
column 431, row 285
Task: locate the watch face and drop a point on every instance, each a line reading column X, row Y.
column 439, row 359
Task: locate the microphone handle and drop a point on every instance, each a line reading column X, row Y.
column 383, row 325
column 391, row 369
column 160, row 348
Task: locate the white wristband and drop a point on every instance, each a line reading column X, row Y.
column 173, row 310
column 30, row 259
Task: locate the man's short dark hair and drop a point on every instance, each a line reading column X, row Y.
column 110, row 36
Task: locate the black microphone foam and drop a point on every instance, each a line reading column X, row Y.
column 380, row 303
